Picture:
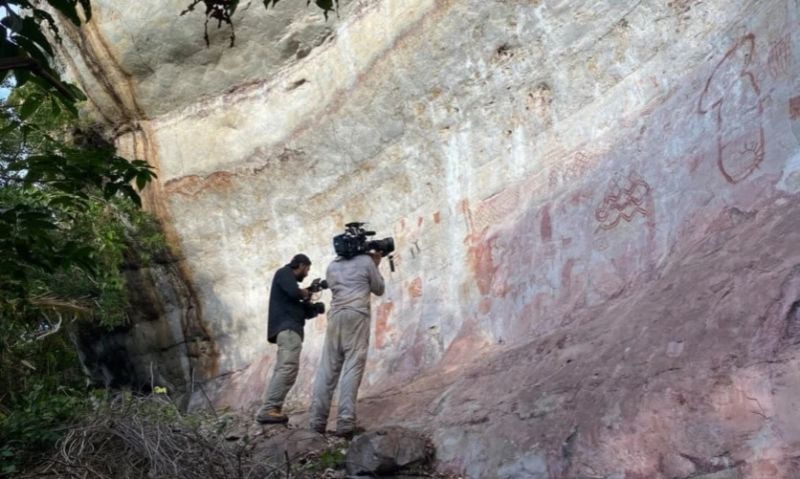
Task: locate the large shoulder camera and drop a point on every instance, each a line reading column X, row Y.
column 354, row 241
column 314, row 309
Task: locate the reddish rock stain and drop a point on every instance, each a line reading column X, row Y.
column 415, row 288
column 437, row 217
column 382, row 323
column 482, row 263
column 547, row 224
column 194, row 185
column 794, row 108
column 479, row 253
column 566, row 274
column 485, row 305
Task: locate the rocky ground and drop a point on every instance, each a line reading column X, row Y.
column 134, row 437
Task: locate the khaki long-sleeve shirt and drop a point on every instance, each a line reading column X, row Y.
column 351, row 281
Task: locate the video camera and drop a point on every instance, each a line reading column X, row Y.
column 315, row 287
column 354, row 242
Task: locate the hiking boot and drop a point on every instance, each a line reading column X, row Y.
column 348, row 433
column 319, row 429
column 271, row 416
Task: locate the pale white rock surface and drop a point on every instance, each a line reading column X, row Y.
column 595, row 205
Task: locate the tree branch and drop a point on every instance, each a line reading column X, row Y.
column 31, row 64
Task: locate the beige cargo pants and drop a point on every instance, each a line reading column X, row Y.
column 344, row 356
column 286, row 367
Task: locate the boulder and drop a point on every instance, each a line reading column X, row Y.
column 386, row 451
column 294, row 445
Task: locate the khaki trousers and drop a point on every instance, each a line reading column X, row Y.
column 286, row 367
column 344, row 356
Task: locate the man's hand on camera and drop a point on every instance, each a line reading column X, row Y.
column 376, row 257
column 304, row 292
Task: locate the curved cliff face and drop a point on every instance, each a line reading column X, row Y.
column 595, row 205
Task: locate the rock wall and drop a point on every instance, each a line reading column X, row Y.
column 164, row 342
column 595, row 206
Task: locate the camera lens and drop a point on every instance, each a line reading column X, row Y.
column 385, row 246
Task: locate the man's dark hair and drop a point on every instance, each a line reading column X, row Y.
column 299, row 259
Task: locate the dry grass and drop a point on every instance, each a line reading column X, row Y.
column 150, row 438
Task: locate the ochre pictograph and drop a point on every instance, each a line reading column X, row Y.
column 780, row 58
column 572, row 168
column 794, row 107
column 733, row 96
column 625, row 198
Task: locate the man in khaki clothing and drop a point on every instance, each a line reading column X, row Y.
column 344, row 354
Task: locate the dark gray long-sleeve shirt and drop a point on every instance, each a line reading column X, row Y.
column 351, row 281
column 286, row 310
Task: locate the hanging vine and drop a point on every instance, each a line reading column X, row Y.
column 222, row 12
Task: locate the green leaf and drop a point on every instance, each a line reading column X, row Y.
column 32, row 103
column 31, row 30
column 32, row 50
column 110, row 190
column 142, row 180
column 12, row 125
column 45, row 17
column 13, row 22
column 76, row 92
column 63, row 200
column 21, row 76
column 55, row 106
column 68, row 104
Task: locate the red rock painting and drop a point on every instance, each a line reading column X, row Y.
column 625, row 199
column 571, row 168
column 479, row 251
column 382, row 323
column 552, row 178
column 780, row 58
column 546, row 226
column 794, row 108
column 495, row 208
column 733, row 96
column 576, row 167
column 415, row 288
column 482, row 263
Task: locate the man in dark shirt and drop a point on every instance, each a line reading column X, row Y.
column 287, row 316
